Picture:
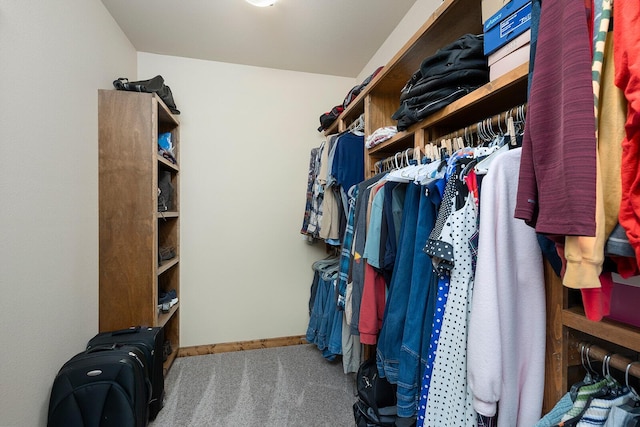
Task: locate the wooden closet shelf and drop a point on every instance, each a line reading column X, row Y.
column 167, row 265
column 163, row 318
column 165, row 117
column 168, row 164
column 608, row 330
column 168, row 214
column 395, row 143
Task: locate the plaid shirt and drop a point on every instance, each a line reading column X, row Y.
column 310, row 180
column 315, row 195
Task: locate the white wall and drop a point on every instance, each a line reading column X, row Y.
column 246, row 136
column 408, row 26
column 53, row 58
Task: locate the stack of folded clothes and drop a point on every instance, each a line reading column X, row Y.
column 380, row 135
column 452, row 72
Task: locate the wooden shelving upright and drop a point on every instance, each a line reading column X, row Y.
column 130, row 227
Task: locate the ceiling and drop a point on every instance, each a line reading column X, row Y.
column 336, row 37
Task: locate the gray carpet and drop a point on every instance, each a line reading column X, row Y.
column 274, row 387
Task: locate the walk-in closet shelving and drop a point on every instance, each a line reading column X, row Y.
column 566, row 321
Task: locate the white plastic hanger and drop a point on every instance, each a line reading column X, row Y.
column 402, row 174
column 492, row 151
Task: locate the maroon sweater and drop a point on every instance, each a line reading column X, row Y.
column 556, row 188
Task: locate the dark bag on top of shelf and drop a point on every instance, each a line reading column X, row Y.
column 154, row 85
column 355, row 91
column 327, row 119
column 376, row 404
column 452, row 72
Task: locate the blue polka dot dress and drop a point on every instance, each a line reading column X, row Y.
column 441, row 300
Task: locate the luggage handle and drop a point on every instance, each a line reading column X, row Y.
column 131, row 330
column 103, row 347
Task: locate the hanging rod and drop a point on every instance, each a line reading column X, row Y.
column 492, row 121
column 616, row 361
column 389, row 162
column 520, row 110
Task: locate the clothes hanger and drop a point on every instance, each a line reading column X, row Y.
column 594, row 374
column 497, row 139
column 357, row 127
column 500, row 131
column 404, row 172
column 587, row 378
column 481, row 133
column 520, row 116
column 418, row 154
column 633, row 391
column 413, row 165
column 614, row 388
column 488, row 155
column 389, row 164
column 501, row 138
column 430, row 154
column 467, row 140
column 432, row 170
column 377, row 168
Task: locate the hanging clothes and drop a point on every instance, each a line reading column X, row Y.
column 390, row 340
column 507, row 328
column 420, row 309
column 449, row 401
column 560, row 95
column 358, row 263
column 627, row 78
column 585, row 254
column 374, row 288
column 445, row 398
column 611, row 118
column 442, row 295
column 310, row 222
column 325, row 321
column 348, row 161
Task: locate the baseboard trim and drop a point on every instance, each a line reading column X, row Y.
column 200, row 350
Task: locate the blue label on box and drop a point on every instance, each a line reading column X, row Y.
column 505, row 11
column 508, row 29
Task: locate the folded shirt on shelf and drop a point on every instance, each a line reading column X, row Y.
column 380, row 135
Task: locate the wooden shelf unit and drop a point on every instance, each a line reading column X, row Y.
column 566, row 323
column 567, row 327
column 130, row 227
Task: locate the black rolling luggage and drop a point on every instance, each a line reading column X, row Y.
column 149, row 340
column 101, row 387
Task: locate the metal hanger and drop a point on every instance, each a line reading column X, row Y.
column 633, row 391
